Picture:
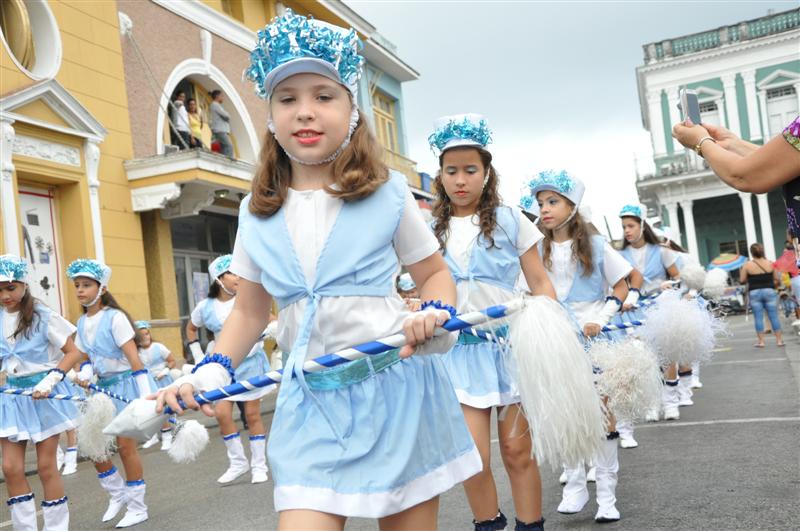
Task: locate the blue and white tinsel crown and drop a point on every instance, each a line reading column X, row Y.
column 560, row 182
column 460, row 130
column 312, row 46
column 13, row 268
column 87, row 267
column 633, row 210
column 142, row 325
column 219, row 266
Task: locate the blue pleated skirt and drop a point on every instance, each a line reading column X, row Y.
column 403, row 438
column 124, row 384
column 254, row 365
column 24, row 419
column 479, row 374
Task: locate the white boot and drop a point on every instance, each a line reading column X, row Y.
column 696, row 383
column 591, row 475
column 137, row 510
column 607, row 468
column 70, row 462
column 23, row 512
column 625, row 429
column 152, row 441
column 59, row 457
column 166, row 439
column 575, row 494
column 685, row 389
column 258, row 459
column 113, row 484
column 56, row 515
column 563, row 477
column 238, row 462
column 670, row 399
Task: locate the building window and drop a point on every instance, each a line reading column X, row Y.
column 709, row 112
column 31, row 36
column 735, row 247
column 200, row 127
column 780, row 92
column 383, row 108
column 781, row 108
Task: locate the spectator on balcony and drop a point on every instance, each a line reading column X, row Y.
column 220, row 124
column 195, row 123
column 180, row 134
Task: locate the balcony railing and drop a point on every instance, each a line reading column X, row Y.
column 404, row 165
column 697, row 42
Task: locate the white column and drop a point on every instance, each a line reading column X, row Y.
column 749, row 78
column 766, row 226
column 749, row 220
column 672, row 210
column 691, row 233
column 92, row 154
column 731, row 106
column 762, row 107
column 8, row 204
column 796, row 93
column 656, row 123
column 674, row 115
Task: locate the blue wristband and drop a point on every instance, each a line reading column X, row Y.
column 140, row 371
column 221, row 359
column 84, row 363
column 439, row 305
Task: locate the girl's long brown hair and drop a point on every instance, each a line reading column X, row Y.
column 649, row 235
column 358, row 171
column 487, row 205
column 27, row 314
column 580, row 232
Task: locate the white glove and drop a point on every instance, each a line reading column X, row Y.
column 72, row 375
column 197, row 352
column 632, row 299
column 86, row 372
column 272, row 330
column 442, row 341
column 163, row 372
column 143, row 384
column 609, row 310
column 209, row 376
column 48, row 382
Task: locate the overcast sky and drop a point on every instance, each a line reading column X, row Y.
column 555, row 80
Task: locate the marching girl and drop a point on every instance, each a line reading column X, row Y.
column 106, row 336
column 211, row 313
column 322, row 231
column 583, row 267
column 158, row 360
column 36, row 350
column 658, row 265
column 485, row 245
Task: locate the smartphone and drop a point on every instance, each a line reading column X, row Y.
column 689, row 105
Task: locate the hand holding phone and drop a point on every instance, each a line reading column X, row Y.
column 689, row 105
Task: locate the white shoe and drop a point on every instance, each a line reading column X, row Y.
column 696, row 383
column 113, row 509
column 114, row 485
column 23, row 512
column 56, row 515
column 166, row 440
column 131, row 519
column 591, row 475
column 575, row 495
column 70, row 462
column 238, row 463
column 137, row 510
column 258, row 459
column 563, row 477
column 628, row 442
column 59, row 457
column 670, row 399
column 607, row 469
column 672, row 413
column 685, row 391
column 652, row 416
column 152, row 441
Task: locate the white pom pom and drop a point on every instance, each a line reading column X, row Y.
column 186, row 368
column 715, row 284
column 679, row 330
column 554, row 378
column 190, row 440
column 98, row 412
column 693, row 276
column 175, row 373
column 631, row 378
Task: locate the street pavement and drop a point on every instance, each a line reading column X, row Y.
column 731, row 462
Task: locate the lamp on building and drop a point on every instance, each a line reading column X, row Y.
column 222, row 193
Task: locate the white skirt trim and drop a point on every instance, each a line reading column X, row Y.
column 380, row 504
column 487, row 401
column 15, row 435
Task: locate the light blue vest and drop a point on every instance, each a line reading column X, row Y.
column 590, row 287
column 104, row 347
column 497, row 265
column 653, row 268
column 31, row 349
column 210, row 319
column 157, row 361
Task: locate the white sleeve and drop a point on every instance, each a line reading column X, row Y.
column 78, row 342
column 59, row 330
column 528, row 235
column 242, row 265
column 164, row 350
column 413, row 239
column 668, row 257
column 121, row 329
column 197, row 314
column 615, row 266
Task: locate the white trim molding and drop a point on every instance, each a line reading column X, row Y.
column 8, row 206
column 751, row 99
column 38, row 148
column 770, row 83
column 194, row 159
column 154, row 197
column 91, row 152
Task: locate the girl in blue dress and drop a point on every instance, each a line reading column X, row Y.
column 486, row 245
column 106, row 337
column 158, row 360
column 36, row 350
column 211, row 313
column 322, row 232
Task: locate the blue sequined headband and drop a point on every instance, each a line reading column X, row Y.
column 13, row 267
column 465, row 129
column 85, row 267
column 290, row 37
column 142, row 325
column 220, row 265
column 561, row 181
column 631, row 210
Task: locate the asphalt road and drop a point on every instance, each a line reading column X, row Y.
column 731, row 462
